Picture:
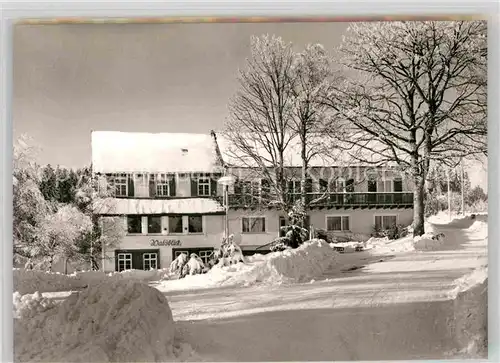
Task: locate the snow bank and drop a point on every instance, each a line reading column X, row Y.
column 470, row 306
column 428, row 242
column 308, row 261
column 383, row 246
column 30, row 281
column 114, row 321
column 480, row 228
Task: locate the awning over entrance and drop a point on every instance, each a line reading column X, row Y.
column 116, row 206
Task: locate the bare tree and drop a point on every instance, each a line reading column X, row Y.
column 417, row 94
column 259, row 123
column 311, row 82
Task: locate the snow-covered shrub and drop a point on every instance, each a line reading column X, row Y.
column 194, row 266
column 279, row 244
column 29, row 305
column 178, row 264
column 228, row 253
column 322, row 234
column 396, row 231
column 295, row 234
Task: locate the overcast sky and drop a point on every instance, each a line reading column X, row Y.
column 71, row 79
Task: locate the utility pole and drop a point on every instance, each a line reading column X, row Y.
column 462, row 189
column 449, row 191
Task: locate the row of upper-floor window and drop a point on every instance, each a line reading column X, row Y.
column 194, row 224
column 206, row 186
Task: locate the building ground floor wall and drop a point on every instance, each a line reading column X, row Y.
column 251, row 229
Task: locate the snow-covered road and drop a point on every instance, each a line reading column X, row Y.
column 391, row 307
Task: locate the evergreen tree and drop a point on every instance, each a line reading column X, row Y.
column 48, row 184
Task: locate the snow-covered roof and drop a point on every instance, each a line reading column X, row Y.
column 138, row 152
column 115, row 206
column 131, row 152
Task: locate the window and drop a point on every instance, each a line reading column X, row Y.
column 134, row 224
column 253, row 224
column 385, row 186
column 154, row 224
column 124, row 261
column 150, row 261
column 175, row 224
column 205, row 255
column 204, row 187
column 294, row 186
column 337, row 223
column 120, row 183
column 385, row 222
column 162, row 186
column 340, row 186
column 195, row 224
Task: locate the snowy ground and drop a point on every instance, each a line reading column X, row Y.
column 366, row 308
column 389, row 302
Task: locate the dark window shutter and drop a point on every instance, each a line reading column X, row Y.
column 213, row 185
column 171, row 186
column 309, row 185
column 266, row 187
column 194, row 187
column 152, row 186
column 130, row 185
column 323, row 185
column 237, row 187
column 349, row 186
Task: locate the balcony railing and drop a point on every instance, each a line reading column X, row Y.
column 332, row 199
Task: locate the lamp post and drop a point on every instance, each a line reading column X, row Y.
column 226, row 181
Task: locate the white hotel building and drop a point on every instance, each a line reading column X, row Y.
column 167, row 192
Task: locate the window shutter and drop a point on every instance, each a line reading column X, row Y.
column 213, row 185
column 194, row 187
column 323, row 185
column 237, row 187
column 130, row 181
column 152, row 186
column 349, row 186
column 309, row 185
column 265, row 188
column 171, row 186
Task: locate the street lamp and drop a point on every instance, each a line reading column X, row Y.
column 226, row 181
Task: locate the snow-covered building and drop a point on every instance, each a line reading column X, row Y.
column 167, row 192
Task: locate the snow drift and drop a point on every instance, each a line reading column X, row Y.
column 114, row 321
column 308, row 261
column 470, row 313
column 30, row 281
column 428, row 242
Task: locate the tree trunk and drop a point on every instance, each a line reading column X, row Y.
column 418, row 206
column 65, row 266
column 50, row 263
